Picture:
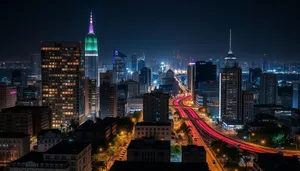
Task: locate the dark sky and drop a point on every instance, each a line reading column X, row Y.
column 197, row 28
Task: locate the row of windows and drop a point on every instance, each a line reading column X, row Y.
column 153, row 129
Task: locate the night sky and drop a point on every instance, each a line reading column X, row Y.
column 198, row 28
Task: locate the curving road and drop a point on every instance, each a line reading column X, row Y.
column 191, row 114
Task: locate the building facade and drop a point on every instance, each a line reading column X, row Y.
column 156, row 130
column 296, row 96
column 63, row 81
column 119, row 66
column 193, row 154
column 8, row 96
column 48, row 138
column 108, row 100
column 16, row 122
column 248, row 107
column 268, row 89
column 156, row 106
column 13, row 146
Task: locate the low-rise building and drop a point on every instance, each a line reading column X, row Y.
column 193, row 154
column 157, row 130
column 98, row 133
column 16, row 122
column 77, row 153
column 33, row 161
column 149, row 150
column 13, row 145
column 275, row 162
column 47, row 138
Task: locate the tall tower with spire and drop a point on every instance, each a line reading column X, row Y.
column 91, row 69
column 230, row 59
column 91, row 52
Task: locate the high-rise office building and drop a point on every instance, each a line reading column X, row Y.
column 156, row 106
column 8, row 96
column 204, row 72
column 122, row 95
column 145, row 76
column 230, row 91
column 248, row 107
column 296, row 96
column 19, row 79
column 268, row 89
column 108, row 100
column 254, row 75
column 190, row 76
column 91, row 53
column 134, row 59
column 93, row 104
column 141, row 64
column 108, row 76
column 63, row 80
column 35, row 60
column 119, row 65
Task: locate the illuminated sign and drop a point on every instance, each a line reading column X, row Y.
column 13, row 92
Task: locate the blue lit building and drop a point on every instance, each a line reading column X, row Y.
column 119, row 65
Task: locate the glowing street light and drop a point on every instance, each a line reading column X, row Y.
column 263, row 141
column 252, row 134
column 100, row 149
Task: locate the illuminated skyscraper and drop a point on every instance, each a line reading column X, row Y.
column 91, row 53
column 268, row 88
column 119, row 65
column 230, row 91
column 62, row 81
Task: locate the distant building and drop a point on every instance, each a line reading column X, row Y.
column 108, row 100
column 135, row 76
column 34, row 161
column 78, row 153
column 133, row 89
column 8, row 96
column 285, row 96
column 48, row 138
column 145, row 80
column 156, row 130
column 35, row 60
column 156, row 106
column 30, row 92
column 296, row 96
column 190, row 77
column 91, row 54
column 28, row 102
column 108, row 76
column 122, row 95
column 13, row 146
column 93, row 97
column 248, row 107
column 193, row 154
column 27, row 119
column 202, row 67
column 254, row 75
column 134, row 60
column 19, row 79
column 149, row 150
column 119, row 65
column 141, row 64
column 173, row 166
column 63, row 81
column 135, row 104
column 268, row 89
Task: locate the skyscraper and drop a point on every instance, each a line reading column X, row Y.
column 204, row 72
column 248, row 107
column 190, row 76
column 145, row 80
column 63, row 80
column 19, row 79
column 296, row 96
column 141, row 64
column 254, row 75
column 230, row 87
column 35, row 60
column 119, row 65
column 134, row 62
column 156, row 106
column 91, row 53
column 268, row 89
column 108, row 100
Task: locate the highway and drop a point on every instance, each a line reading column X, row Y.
column 211, row 160
column 198, row 122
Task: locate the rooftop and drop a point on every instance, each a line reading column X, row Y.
column 149, row 144
column 277, row 162
column 65, row 147
column 44, row 131
column 193, row 148
column 137, row 166
column 153, row 124
column 13, row 135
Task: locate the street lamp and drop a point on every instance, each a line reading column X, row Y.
column 252, row 134
column 263, row 141
column 100, row 149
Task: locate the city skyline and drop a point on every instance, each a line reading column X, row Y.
column 195, row 29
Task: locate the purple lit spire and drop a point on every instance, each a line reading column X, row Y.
column 91, row 27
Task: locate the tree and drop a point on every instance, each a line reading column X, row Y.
column 176, row 149
column 99, row 165
column 73, row 124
